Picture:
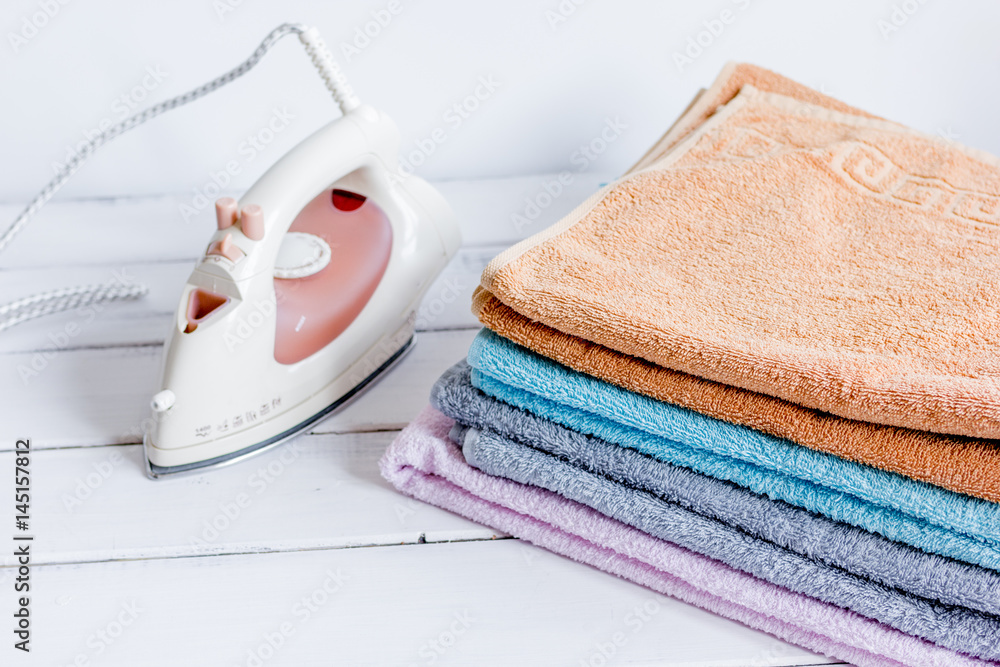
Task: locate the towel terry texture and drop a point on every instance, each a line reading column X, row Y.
column 726, row 86
column 964, row 465
column 957, row 628
column 630, row 486
column 810, row 253
column 921, row 515
column 423, row 463
column 759, row 373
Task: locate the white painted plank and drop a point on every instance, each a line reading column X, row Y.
column 77, row 397
column 88, row 397
column 147, row 320
column 483, row 603
column 144, row 321
column 95, row 503
column 105, row 232
column 404, row 392
column 448, row 302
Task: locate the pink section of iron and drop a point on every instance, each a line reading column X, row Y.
column 314, row 310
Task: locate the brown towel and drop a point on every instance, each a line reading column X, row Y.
column 816, row 255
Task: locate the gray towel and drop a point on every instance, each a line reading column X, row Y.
column 921, row 594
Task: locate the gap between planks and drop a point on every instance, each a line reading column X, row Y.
column 420, row 540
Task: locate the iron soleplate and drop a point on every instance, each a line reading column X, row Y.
column 154, row 471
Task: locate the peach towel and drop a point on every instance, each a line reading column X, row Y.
column 814, row 256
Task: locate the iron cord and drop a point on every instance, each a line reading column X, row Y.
column 54, row 301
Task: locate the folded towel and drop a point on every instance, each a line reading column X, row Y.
column 965, row 465
column 423, row 463
column 625, row 484
column 835, row 261
column 917, row 514
column 970, row 466
column 732, row 79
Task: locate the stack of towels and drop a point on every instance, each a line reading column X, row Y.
column 759, row 373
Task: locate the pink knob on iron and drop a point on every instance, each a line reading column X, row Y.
column 226, row 212
column 252, row 222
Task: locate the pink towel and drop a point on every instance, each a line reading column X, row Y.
column 422, row 462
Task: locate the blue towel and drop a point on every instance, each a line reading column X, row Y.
column 914, row 513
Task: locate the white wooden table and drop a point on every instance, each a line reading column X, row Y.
column 304, row 555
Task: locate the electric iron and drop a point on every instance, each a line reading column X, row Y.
column 307, row 291
column 306, row 294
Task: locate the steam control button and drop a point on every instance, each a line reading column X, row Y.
column 226, row 248
column 226, row 212
column 252, row 222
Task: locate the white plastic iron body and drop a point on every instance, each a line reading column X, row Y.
column 307, row 293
